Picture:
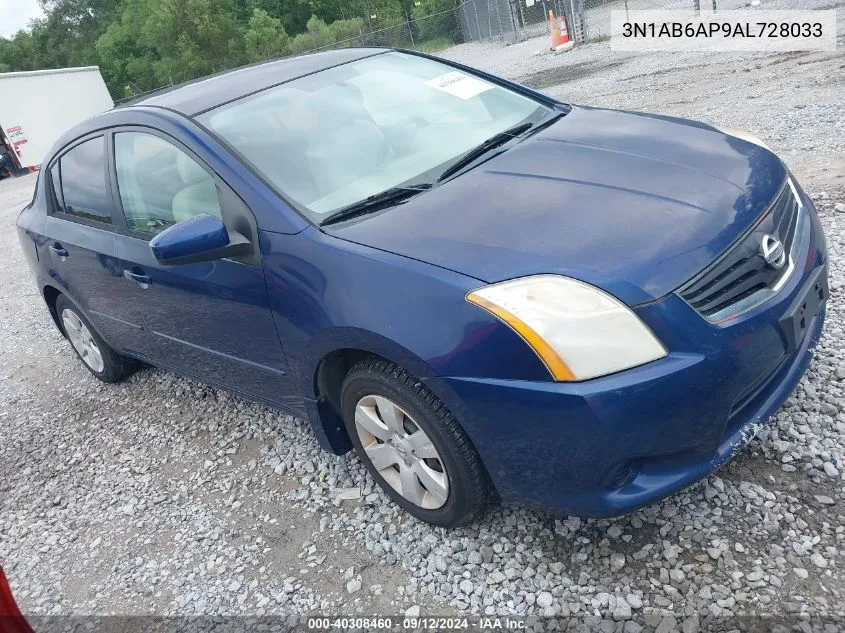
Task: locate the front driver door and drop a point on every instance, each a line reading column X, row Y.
column 209, row 319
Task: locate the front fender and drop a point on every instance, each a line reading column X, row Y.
column 337, row 339
column 328, row 294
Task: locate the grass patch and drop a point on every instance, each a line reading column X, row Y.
column 435, row 44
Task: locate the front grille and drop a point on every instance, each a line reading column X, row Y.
column 742, row 272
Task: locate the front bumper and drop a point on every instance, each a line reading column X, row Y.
column 608, row 446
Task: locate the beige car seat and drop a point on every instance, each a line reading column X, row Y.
column 199, row 194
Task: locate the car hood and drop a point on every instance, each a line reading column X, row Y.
column 633, row 203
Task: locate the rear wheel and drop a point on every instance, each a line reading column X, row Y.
column 100, row 359
column 413, row 445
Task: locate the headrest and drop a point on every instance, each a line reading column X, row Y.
column 335, row 106
column 189, row 171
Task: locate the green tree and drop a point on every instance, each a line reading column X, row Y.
column 19, row 53
column 141, row 45
column 294, row 14
column 191, row 38
column 347, row 32
column 437, row 20
column 127, row 63
column 333, row 10
column 265, row 37
column 66, row 36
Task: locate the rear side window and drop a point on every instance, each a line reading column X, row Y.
column 56, row 181
column 82, row 192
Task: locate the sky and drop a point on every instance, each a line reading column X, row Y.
column 15, row 14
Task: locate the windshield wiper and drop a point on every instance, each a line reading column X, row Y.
column 386, row 198
column 477, row 152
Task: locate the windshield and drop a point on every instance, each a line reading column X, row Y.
column 337, row 137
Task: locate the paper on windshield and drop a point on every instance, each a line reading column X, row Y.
column 460, row 85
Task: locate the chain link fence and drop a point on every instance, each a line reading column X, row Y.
column 469, row 21
column 430, row 33
column 594, row 15
column 587, row 20
column 508, row 20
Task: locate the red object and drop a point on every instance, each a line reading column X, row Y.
column 564, row 32
column 555, row 30
column 11, row 618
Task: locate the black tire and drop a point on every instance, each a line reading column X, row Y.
column 115, row 366
column 470, row 488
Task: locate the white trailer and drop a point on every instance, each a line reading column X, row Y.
column 37, row 107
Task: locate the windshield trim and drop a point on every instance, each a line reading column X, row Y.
column 302, row 211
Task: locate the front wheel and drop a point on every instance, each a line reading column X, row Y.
column 413, row 445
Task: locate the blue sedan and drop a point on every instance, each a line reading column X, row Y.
column 483, row 291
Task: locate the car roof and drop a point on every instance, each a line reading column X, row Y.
column 203, row 94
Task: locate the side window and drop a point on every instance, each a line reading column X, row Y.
column 83, row 191
column 55, row 181
column 160, row 184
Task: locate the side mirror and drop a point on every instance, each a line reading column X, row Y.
column 201, row 238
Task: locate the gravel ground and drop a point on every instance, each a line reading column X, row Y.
column 163, row 496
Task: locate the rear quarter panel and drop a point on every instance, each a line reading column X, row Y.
column 30, row 226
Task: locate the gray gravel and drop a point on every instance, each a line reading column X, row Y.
column 161, row 495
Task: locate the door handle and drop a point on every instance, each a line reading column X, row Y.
column 59, row 250
column 139, row 278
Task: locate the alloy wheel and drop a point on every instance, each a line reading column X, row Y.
column 82, row 341
column 401, row 452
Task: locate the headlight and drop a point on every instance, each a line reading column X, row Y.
column 745, row 136
column 577, row 330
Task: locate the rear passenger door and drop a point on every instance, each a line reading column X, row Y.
column 210, row 319
column 82, row 230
